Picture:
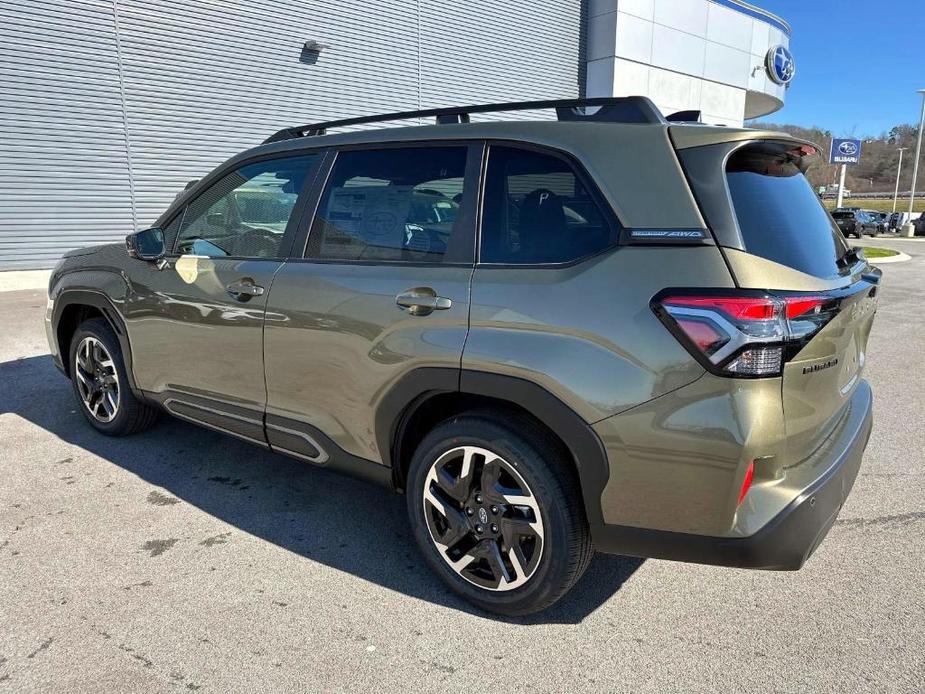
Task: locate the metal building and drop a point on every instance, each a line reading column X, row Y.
column 108, row 107
column 726, row 58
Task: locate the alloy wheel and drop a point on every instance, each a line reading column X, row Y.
column 483, row 518
column 97, row 379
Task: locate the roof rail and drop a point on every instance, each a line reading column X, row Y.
column 623, row 109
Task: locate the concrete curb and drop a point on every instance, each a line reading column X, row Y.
column 17, row 280
column 899, row 258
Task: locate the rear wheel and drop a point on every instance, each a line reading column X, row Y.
column 100, row 382
column 498, row 514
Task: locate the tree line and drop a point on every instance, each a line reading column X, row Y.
column 876, row 172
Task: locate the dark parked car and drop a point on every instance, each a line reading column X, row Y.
column 548, row 348
column 919, row 225
column 856, row 222
column 881, row 218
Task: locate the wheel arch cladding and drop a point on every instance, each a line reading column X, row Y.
column 73, row 307
column 429, row 395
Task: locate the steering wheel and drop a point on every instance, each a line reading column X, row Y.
column 256, row 242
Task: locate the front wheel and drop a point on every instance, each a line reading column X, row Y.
column 100, row 382
column 496, row 510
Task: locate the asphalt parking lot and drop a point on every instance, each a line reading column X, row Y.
column 182, row 560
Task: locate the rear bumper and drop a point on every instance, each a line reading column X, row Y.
column 784, row 543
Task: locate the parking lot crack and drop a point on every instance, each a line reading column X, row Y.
column 44, row 646
column 902, row 518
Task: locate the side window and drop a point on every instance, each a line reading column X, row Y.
column 537, row 210
column 394, row 204
column 244, row 214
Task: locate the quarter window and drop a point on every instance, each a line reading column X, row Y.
column 395, row 204
column 537, row 210
column 245, row 214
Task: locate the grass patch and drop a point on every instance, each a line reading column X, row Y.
column 880, row 205
column 873, row 252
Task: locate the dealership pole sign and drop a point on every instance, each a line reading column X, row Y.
column 845, row 152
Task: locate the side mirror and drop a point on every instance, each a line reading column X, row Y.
column 147, row 244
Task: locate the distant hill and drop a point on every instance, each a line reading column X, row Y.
column 879, row 158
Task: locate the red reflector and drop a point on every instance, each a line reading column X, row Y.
column 737, row 307
column 798, row 305
column 747, row 482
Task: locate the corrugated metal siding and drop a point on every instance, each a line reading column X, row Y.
column 475, row 51
column 63, row 165
column 202, row 81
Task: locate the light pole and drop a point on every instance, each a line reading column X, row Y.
column 909, row 229
column 899, row 170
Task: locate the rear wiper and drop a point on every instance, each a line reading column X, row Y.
column 849, row 258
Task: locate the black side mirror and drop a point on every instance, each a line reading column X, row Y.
column 147, row 244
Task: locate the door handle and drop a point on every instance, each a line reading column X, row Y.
column 243, row 290
column 422, row 301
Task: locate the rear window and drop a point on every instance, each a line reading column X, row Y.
column 779, row 215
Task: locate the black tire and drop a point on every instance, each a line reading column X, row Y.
column 131, row 415
column 544, row 466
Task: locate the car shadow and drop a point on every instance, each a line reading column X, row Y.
column 346, row 524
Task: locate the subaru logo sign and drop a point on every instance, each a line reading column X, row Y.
column 848, row 148
column 845, row 151
column 780, row 65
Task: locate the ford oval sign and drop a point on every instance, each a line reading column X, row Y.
column 780, row 65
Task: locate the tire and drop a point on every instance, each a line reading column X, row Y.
column 543, row 543
column 101, row 382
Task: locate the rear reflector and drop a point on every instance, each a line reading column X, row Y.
column 747, row 482
column 746, row 333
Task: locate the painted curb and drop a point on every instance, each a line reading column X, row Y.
column 899, row 258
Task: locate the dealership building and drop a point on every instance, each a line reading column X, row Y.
column 108, row 107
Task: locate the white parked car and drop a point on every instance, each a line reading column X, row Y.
column 898, row 220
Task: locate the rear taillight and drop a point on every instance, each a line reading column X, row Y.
column 745, row 333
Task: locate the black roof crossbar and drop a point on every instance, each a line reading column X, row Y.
column 621, row 109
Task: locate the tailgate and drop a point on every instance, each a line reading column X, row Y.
column 777, row 237
column 821, row 378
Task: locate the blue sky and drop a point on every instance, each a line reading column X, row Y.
column 859, row 63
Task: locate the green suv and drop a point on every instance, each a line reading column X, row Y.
column 611, row 331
